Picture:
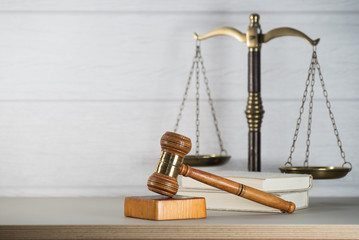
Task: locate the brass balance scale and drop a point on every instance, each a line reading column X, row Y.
column 254, row 111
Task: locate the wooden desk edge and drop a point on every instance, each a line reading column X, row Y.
column 69, row 232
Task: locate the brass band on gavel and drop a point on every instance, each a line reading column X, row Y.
column 169, row 164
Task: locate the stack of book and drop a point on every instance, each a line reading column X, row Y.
column 290, row 187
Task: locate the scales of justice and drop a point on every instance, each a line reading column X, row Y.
column 174, row 160
column 254, row 38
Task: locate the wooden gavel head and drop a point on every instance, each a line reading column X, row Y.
column 174, row 148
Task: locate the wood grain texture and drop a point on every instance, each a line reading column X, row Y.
column 164, row 208
column 334, row 232
column 238, row 189
column 80, row 79
column 176, row 144
column 162, row 184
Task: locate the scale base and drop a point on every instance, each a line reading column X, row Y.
column 318, row 172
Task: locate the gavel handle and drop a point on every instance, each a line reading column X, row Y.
column 237, row 189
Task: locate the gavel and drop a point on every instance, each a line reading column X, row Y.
column 164, row 180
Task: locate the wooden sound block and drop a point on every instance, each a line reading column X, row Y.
column 164, row 208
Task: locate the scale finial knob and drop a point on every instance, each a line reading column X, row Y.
column 254, row 17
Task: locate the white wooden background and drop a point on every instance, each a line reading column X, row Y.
column 87, row 88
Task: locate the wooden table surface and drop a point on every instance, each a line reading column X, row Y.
column 102, row 218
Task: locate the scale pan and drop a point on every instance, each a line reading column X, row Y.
column 206, row 160
column 321, row 172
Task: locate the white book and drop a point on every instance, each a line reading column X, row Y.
column 219, row 200
column 265, row 181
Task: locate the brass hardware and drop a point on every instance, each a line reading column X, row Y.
column 254, row 33
column 254, row 37
column 169, row 164
column 322, row 172
column 254, row 112
column 285, row 31
column 225, row 31
column 206, row 160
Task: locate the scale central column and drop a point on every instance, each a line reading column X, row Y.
column 254, row 109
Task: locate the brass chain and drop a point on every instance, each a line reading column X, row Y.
column 331, row 115
column 310, row 114
column 196, row 65
column 197, row 97
column 311, row 80
column 301, row 110
column 210, row 101
column 185, row 95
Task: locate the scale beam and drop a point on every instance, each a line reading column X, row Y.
column 252, row 40
column 225, row 31
column 285, row 31
column 254, row 111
